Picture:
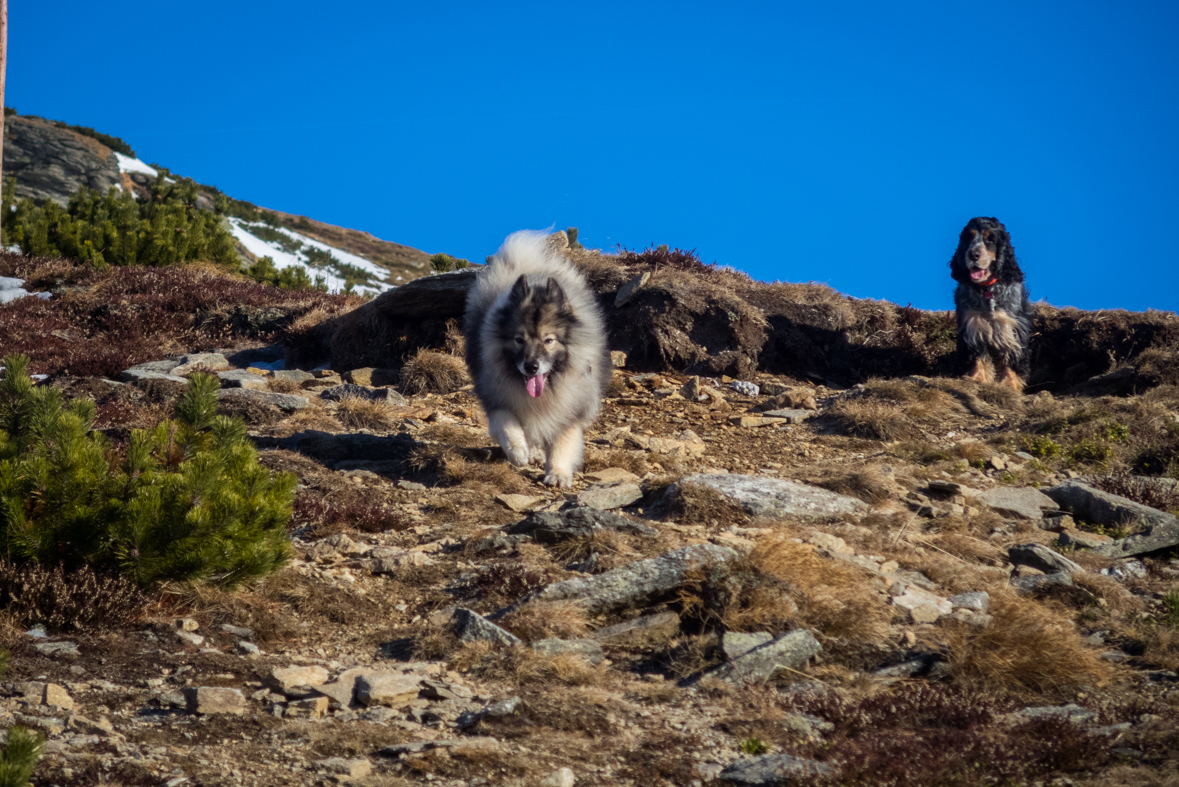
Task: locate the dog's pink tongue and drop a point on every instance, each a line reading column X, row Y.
column 535, row 385
column 978, row 275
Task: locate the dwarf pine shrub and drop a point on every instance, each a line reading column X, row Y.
column 20, row 756
column 186, row 500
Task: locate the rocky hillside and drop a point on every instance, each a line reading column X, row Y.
column 800, row 551
column 52, row 161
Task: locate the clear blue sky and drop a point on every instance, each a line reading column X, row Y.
column 843, row 142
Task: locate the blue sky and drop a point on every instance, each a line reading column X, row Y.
column 842, row 142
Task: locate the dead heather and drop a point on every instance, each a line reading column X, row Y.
column 433, row 372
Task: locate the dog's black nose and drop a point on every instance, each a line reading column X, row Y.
column 531, row 367
column 974, row 254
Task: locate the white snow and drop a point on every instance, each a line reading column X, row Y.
column 128, row 164
column 284, row 259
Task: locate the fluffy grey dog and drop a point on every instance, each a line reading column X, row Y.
column 536, row 348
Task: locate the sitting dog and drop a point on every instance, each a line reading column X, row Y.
column 994, row 315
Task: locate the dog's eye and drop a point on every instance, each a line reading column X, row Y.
column 548, row 341
column 520, row 340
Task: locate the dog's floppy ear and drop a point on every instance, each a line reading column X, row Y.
column 1006, row 268
column 554, row 294
column 958, row 261
column 520, row 291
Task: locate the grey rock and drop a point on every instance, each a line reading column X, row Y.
column 1125, row 569
column 627, row 291
column 606, row 496
column 237, row 631
column 350, row 391
column 769, row 770
column 138, row 376
column 473, row 627
column 1019, row 502
column 53, row 163
column 735, row 644
column 636, row 584
column 1030, row 584
column 441, row 690
column 587, row 649
column 61, row 650
column 346, row 768
column 1070, row 712
column 1041, row 557
column 1079, row 538
column 773, row 497
column 497, row 709
column 909, row 668
column 641, row 631
column 209, row 700
column 247, row 648
column 764, row 661
column 280, row 400
column 386, row 688
column 293, row 375
column 553, row 528
column 792, row 416
column 240, row 378
column 1161, row 530
column 978, row 601
column 163, row 367
column 201, row 362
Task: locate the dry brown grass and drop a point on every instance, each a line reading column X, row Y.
column 1135, row 776
column 449, row 466
column 453, row 434
column 1001, row 396
column 871, row 419
column 543, row 619
column 1027, row 647
column 359, row 412
column 524, row 667
column 308, row 419
column 633, row 461
column 613, row 549
column 433, row 372
column 692, row 655
column 280, row 385
column 868, row 484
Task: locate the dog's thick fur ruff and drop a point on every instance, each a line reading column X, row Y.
column 500, row 308
column 994, row 314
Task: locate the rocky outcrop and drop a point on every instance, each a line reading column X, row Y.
column 52, row 163
column 772, row 497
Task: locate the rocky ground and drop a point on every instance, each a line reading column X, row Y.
column 762, row 580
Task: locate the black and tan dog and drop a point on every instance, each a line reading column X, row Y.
column 994, row 314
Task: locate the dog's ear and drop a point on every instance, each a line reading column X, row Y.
column 520, row 291
column 1006, row 268
column 958, row 261
column 554, row 294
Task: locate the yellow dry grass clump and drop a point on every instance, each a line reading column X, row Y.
column 359, row 412
column 433, row 372
column 544, row 619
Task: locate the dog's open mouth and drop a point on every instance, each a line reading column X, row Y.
column 979, row 274
column 535, row 385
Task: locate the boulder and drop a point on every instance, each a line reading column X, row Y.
column 210, row 700
column 1042, row 558
column 762, row 662
column 773, row 497
column 282, row 401
column 607, row 496
column 635, row 584
column 772, row 770
column 735, row 644
column 53, row 163
column 351, row 391
column 386, row 688
column 472, row 627
column 240, row 378
column 553, row 528
column 1161, row 530
column 1018, row 502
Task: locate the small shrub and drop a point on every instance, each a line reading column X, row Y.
column 753, row 746
column 327, row 517
column 59, row 600
column 20, row 756
column 186, row 500
column 1041, row 446
column 1089, row 451
column 443, row 263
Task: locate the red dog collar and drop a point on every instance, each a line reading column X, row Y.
column 988, row 294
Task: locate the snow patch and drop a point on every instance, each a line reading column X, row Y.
column 128, row 164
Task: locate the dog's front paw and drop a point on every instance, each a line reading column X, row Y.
column 562, row 480
column 517, row 453
column 536, row 456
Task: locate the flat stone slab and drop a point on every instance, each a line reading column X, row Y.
column 240, row 378
column 735, row 644
column 635, row 584
column 607, row 496
column 790, row 416
column 762, row 662
column 774, row 497
column 641, row 631
column 1019, row 502
column 144, row 375
column 280, row 400
column 1041, row 557
column 201, row 362
column 210, row 700
column 386, row 688
column 1161, row 530
column 472, row 627
column 351, row 391
column 520, row 503
column 553, row 528
column 586, row 649
column 771, row 770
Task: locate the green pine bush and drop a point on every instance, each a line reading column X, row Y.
column 441, row 263
column 20, row 756
column 117, row 229
column 187, row 500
